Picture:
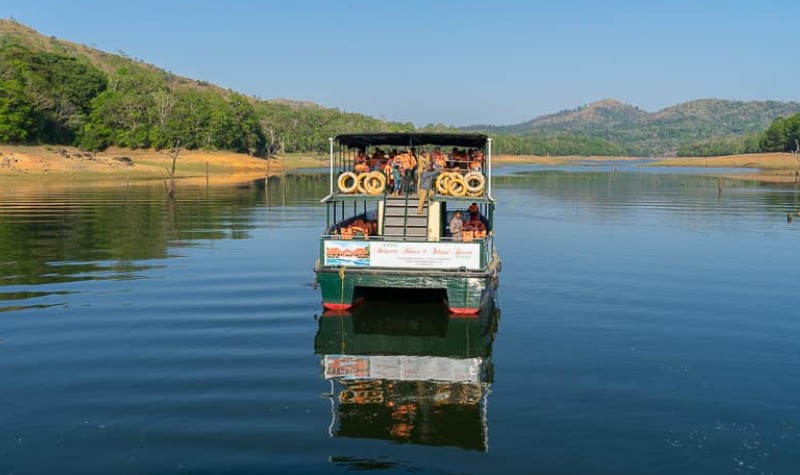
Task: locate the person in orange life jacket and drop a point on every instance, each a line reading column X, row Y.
column 474, row 211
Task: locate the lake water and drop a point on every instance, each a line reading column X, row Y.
column 645, row 323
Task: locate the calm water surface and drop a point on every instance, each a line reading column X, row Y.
column 645, row 323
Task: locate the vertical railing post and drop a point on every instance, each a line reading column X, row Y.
column 489, row 167
column 330, row 139
column 407, row 176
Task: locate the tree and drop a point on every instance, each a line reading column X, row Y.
column 17, row 118
column 774, row 137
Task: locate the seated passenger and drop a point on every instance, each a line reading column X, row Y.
column 462, row 162
column 374, row 162
column 361, row 156
column 474, row 211
column 439, row 159
column 477, row 225
column 456, row 226
column 452, row 159
column 361, row 167
column 360, row 162
column 476, row 161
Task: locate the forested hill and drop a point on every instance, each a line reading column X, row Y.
column 644, row 133
column 57, row 92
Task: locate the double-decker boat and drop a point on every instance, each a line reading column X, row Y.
column 380, row 237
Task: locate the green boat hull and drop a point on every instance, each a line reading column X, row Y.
column 466, row 292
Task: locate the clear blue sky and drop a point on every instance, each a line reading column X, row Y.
column 454, row 62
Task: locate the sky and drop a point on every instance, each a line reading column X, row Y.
column 453, row 62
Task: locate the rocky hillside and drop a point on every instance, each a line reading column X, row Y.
column 655, row 133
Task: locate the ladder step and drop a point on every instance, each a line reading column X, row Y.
column 402, row 212
column 414, row 220
column 409, row 232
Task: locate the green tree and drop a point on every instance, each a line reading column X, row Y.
column 17, row 119
column 774, row 138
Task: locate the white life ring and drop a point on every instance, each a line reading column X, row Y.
column 362, row 177
column 375, row 183
column 442, row 182
column 456, row 186
column 342, row 182
column 477, row 189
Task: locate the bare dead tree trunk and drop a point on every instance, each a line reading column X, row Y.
column 796, row 154
column 173, row 154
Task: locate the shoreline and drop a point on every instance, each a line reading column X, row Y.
column 52, row 164
column 58, row 164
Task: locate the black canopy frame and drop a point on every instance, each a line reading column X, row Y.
column 412, row 139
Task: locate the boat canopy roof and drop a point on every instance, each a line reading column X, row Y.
column 413, row 139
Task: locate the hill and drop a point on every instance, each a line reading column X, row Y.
column 57, row 92
column 663, row 132
column 54, row 91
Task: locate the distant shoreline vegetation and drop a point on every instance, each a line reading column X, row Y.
column 783, row 135
column 53, row 92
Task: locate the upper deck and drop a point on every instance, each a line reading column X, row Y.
column 370, row 166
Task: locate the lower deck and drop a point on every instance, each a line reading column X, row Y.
column 464, row 291
column 440, row 244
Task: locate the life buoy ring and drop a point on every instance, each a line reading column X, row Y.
column 360, row 183
column 375, row 183
column 342, row 182
column 456, row 186
column 477, row 188
column 442, row 182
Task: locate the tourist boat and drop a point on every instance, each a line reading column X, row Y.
column 376, row 241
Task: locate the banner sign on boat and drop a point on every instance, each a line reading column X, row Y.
column 425, row 255
column 414, row 255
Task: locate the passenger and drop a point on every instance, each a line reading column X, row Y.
column 477, row 225
column 439, row 159
column 375, row 161
column 361, row 167
column 474, row 212
column 407, row 163
column 397, row 179
column 422, row 165
column 452, row 159
column 476, row 161
column 425, row 185
column 456, row 226
column 360, row 161
column 463, row 161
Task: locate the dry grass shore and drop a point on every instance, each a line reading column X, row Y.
column 561, row 160
column 56, row 164
column 68, row 164
column 768, row 167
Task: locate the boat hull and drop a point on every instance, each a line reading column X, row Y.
column 466, row 292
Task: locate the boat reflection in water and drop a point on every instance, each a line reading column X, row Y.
column 409, row 372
